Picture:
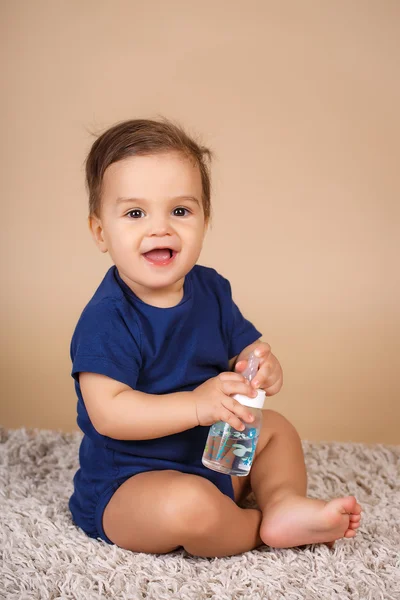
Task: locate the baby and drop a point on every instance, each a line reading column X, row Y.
column 157, row 354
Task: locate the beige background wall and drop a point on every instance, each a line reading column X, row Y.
column 300, row 102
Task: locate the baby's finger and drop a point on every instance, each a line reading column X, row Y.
column 263, row 376
column 230, row 376
column 238, row 387
column 241, row 365
column 233, row 420
column 263, row 350
column 238, row 409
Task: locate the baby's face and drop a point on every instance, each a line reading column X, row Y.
column 152, row 202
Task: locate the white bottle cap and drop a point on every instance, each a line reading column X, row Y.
column 257, row 402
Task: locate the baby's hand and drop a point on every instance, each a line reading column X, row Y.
column 214, row 402
column 269, row 376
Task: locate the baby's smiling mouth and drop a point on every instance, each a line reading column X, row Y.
column 160, row 256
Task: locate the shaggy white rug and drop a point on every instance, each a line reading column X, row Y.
column 45, row 556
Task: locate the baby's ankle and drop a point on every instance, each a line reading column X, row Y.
column 281, row 495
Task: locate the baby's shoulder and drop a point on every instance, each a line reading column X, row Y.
column 108, row 315
column 210, row 276
column 100, row 308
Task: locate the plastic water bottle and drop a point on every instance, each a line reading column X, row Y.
column 228, row 450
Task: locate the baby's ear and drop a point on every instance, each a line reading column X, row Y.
column 96, row 229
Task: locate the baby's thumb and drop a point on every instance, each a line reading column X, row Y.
column 240, row 366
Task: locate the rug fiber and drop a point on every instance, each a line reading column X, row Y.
column 43, row 555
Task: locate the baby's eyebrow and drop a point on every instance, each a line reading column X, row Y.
column 122, row 200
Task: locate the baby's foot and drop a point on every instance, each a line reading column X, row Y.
column 296, row 521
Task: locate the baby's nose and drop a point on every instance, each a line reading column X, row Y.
column 160, row 227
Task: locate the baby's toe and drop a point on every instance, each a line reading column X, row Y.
column 355, row 518
column 357, row 509
column 349, row 533
column 354, row 525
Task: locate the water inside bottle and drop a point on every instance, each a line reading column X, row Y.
column 230, row 451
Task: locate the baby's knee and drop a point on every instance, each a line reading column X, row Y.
column 192, row 505
column 275, row 422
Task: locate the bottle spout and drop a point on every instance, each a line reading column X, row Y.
column 252, row 367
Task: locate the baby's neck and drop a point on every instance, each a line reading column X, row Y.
column 167, row 301
column 157, row 298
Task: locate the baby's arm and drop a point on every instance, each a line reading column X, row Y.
column 119, row 412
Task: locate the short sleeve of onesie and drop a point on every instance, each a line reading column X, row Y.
column 242, row 332
column 107, row 341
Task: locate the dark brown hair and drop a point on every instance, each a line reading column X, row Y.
column 140, row 137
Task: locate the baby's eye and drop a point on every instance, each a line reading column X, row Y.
column 181, row 208
column 136, row 211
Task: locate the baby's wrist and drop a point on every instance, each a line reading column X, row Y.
column 193, row 400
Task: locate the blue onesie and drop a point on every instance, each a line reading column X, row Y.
column 156, row 351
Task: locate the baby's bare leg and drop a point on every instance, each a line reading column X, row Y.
column 278, row 465
column 159, row 511
column 279, row 481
